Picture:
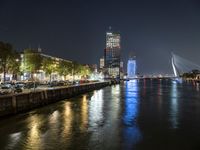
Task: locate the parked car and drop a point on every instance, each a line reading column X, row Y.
column 17, row 89
column 30, row 85
column 61, row 83
column 68, row 82
column 5, row 90
column 52, row 84
column 20, row 84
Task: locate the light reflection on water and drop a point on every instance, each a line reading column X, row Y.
column 33, row 140
column 115, row 101
column 84, row 113
column 174, row 105
column 14, row 139
column 160, row 94
column 138, row 113
column 131, row 132
column 96, row 108
column 67, row 122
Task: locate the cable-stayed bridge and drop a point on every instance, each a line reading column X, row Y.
column 181, row 65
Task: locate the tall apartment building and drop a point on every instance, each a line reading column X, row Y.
column 112, row 55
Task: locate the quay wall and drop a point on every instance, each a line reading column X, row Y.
column 16, row 103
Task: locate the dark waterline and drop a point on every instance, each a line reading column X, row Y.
column 138, row 114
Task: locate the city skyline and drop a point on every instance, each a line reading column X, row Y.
column 76, row 30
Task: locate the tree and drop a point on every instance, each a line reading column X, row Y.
column 6, row 52
column 76, row 68
column 189, row 75
column 49, row 66
column 85, row 71
column 32, row 61
column 64, row 68
column 14, row 64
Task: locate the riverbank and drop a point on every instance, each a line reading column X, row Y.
column 12, row 104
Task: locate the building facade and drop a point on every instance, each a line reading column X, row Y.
column 131, row 67
column 41, row 75
column 112, row 55
column 101, row 66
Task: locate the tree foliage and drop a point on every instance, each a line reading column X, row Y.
column 14, row 64
column 8, row 59
column 191, row 74
column 64, row 68
column 49, row 66
column 32, row 61
column 76, row 68
column 85, row 71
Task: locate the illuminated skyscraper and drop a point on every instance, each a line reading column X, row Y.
column 102, row 63
column 112, row 54
column 131, row 67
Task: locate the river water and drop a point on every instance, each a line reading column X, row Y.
column 138, row 114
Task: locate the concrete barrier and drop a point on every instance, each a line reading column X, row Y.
column 12, row 104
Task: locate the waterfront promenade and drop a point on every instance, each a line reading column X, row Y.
column 14, row 103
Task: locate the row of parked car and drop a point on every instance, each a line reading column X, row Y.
column 17, row 87
column 59, row 83
column 67, row 83
column 9, row 88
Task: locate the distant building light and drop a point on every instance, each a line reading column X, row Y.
column 109, row 33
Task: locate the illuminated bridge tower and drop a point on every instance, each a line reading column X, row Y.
column 112, row 55
column 131, row 67
column 176, row 74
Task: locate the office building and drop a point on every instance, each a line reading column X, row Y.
column 101, row 63
column 131, row 67
column 112, row 55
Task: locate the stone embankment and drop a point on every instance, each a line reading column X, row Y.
column 12, row 104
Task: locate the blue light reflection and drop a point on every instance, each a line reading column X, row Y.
column 131, row 132
column 174, row 105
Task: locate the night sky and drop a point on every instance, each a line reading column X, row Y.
column 75, row 29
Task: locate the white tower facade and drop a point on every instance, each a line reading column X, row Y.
column 131, row 68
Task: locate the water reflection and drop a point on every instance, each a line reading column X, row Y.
column 144, row 87
column 131, row 132
column 67, row 121
column 14, row 139
column 53, row 119
column 96, row 108
column 115, row 101
column 115, row 117
column 174, row 105
column 160, row 94
column 197, row 87
column 84, row 113
column 33, row 140
column 54, row 123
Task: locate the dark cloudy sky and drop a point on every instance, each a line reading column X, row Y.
column 75, row 29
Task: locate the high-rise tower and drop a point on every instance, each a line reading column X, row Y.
column 112, row 54
column 131, row 67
